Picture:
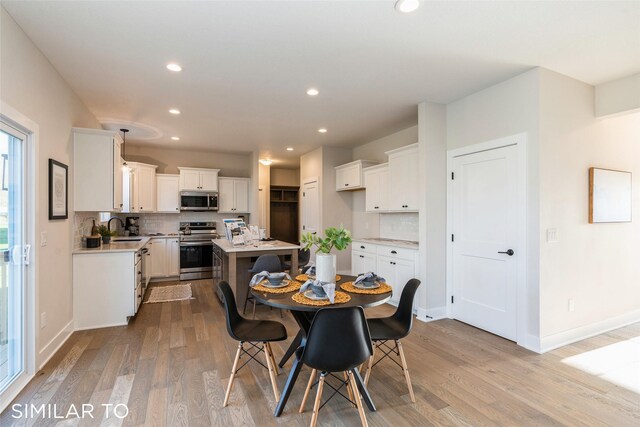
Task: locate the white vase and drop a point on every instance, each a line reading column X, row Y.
column 326, row 267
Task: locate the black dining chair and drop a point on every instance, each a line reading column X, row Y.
column 250, row 332
column 304, row 256
column 270, row 263
column 338, row 341
column 394, row 328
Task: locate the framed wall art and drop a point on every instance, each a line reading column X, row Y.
column 58, row 190
column 609, row 196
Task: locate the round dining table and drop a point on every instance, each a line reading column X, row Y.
column 303, row 315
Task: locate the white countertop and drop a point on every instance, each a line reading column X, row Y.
column 115, row 247
column 409, row 244
column 226, row 246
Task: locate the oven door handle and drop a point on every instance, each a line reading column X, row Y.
column 196, row 244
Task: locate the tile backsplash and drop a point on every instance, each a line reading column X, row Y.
column 403, row 226
column 82, row 223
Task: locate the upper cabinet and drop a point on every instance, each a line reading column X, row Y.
column 198, row 179
column 403, row 174
column 97, row 170
column 233, row 196
column 349, row 176
column 376, row 180
column 168, row 193
column 139, row 183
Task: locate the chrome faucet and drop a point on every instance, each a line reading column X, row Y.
column 111, row 219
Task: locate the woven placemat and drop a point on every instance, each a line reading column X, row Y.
column 292, row 286
column 340, row 298
column 304, row 277
column 382, row 289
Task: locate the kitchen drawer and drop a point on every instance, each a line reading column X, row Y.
column 363, row 247
column 138, row 277
column 395, row 252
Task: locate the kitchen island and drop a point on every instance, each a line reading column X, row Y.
column 232, row 263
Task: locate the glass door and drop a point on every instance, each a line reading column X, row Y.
column 14, row 256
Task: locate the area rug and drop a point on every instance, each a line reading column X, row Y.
column 170, row 293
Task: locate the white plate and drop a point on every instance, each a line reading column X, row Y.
column 267, row 284
column 361, row 286
column 311, row 295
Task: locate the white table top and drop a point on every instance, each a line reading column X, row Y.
column 277, row 245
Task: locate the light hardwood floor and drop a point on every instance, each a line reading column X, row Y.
column 171, row 363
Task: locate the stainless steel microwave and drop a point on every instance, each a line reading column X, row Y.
column 198, row 200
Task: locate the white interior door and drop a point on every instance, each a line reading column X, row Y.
column 484, row 270
column 310, row 207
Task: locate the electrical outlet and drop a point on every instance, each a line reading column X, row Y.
column 43, row 238
column 571, row 305
column 552, row 235
column 43, row 320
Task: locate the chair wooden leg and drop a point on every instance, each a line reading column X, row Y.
column 406, row 371
column 356, row 393
column 347, row 379
column 312, row 378
column 316, row 405
column 233, row 375
column 253, row 316
column 272, row 375
column 369, row 365
column 273, row 360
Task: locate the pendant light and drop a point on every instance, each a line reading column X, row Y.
column 124, row 140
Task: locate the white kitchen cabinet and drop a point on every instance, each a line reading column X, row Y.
column 396, row 264
column 173, row 255
column 157, row 260
column 349, row 176
column 233, row 196
column 167, row 193
column 164, row 259
column 362, row 262
column 97, row 170
column 139, row 187
column 403, row 177
column 198, row 179
column 376, row 180
column 107, row 288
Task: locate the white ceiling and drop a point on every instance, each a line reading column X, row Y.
column 247, row 65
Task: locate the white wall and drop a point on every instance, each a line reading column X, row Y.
column 596, row 265
column 285, row 177
column 374, row 150
column 508, row 108
column 33, row 87
column 618, row 96
column 264, row 182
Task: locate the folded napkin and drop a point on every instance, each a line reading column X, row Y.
column 311, row 271
column 320, row 289
column 257, row 278
column 369, row 277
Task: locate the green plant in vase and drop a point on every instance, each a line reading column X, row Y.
column 335, row 237
column 103, row 230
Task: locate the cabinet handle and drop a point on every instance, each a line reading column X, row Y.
column 361, row 256
column 140, row 273
column 361, row 247
column 177, row 209
column 394, row 252
column 393, row 263
column 346, row 185
column 375, row 207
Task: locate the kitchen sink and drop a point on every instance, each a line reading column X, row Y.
column 127, row 239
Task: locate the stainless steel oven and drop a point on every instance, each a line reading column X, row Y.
column 198, row 201
column 196, row 250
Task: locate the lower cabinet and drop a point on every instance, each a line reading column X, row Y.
column 165, row 257
column 396, row 265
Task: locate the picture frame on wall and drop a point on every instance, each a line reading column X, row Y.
column 610, row 196
column 58, row 190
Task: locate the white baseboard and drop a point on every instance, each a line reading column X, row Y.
column 431, row 314
column 54, row 345
column 561, row 339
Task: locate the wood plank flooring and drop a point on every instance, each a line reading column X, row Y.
column 170, row 365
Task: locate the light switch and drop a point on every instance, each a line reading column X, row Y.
column 43, row 238
column 552, row 235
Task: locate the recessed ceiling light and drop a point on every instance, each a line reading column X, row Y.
column 175, row 138
column 174, row 111
column 322, row 130
column 407, row 6
column 266, row 162
column 312, row 91
column 172, row 66
column 289, row 148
